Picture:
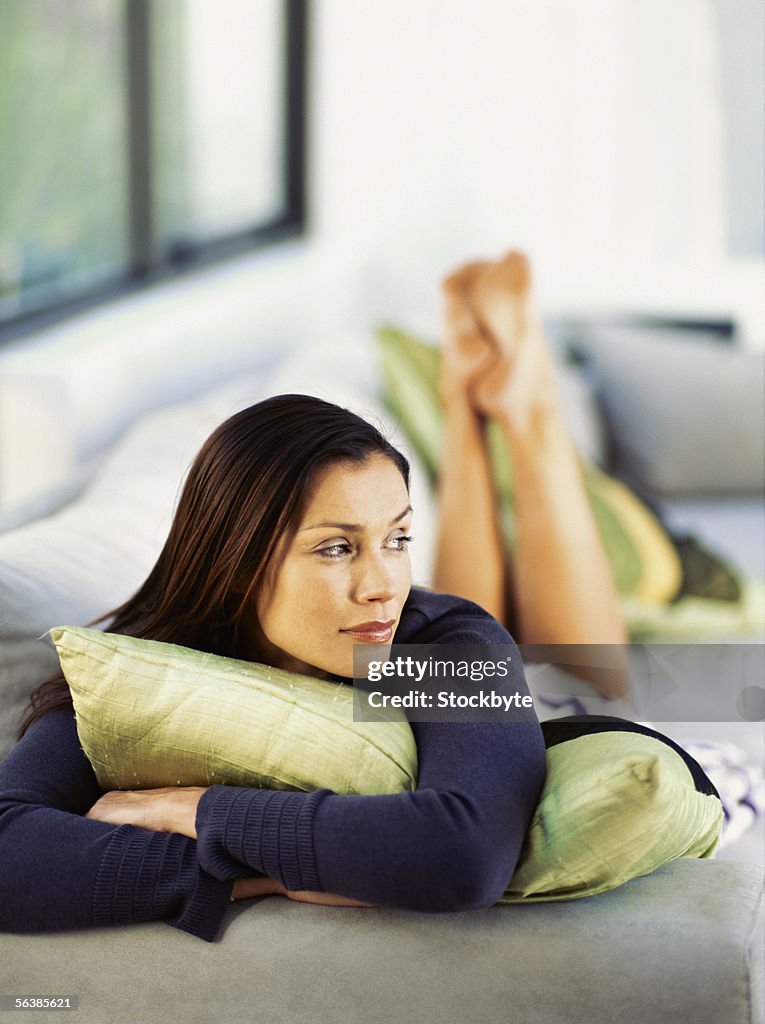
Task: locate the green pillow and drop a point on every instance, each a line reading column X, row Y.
column 153, row 714
column 615, row 805
column 643, row 559
column 620, row 800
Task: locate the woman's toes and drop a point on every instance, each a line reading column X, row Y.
column 460, row 328
column 457, row 284
column 517, row 271
column 463, row 340
column 500, row 298
column 465, row 350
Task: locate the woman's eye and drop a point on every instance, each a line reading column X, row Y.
column 400, row 543
column 335, row 550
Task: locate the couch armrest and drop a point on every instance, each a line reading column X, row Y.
column 684, row 943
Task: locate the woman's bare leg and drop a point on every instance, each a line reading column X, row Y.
column 497, row 365
column 469, row 551
column 563, row 588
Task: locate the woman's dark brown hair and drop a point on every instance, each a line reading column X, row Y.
column 245, row 490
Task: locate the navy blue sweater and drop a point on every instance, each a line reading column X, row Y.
column 452, row 844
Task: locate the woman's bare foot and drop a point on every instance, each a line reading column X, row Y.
column 466, row 353
column 499, row 293
column 518, row 386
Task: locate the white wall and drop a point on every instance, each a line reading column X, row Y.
column 740, row 28
column 588, row 131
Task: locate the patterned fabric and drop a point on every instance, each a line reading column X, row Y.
column 740, row 783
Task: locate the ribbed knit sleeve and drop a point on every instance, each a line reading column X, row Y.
column 147, row 876
column 267, row 830
column 62, row 870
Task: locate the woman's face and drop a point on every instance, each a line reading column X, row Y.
column 343, row 576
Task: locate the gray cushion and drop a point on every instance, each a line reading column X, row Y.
column 686, row 415
column 684, row 943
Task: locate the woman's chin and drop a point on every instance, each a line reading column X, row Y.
column 352, row 662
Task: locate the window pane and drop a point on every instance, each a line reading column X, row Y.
column 218, row 115
column 63, row 168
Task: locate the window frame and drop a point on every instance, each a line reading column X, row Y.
column 145, row 268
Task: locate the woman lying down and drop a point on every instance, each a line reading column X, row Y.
column 289, row 547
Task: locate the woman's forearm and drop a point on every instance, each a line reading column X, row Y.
column 247, row 888
column 64, row 870
column 174, row 809
column 469, row 553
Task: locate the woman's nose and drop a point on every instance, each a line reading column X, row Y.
column 375, row 581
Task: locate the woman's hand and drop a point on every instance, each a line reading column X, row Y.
column 170, row 809
column 246, row 888
column 174, row 809
column 326, row 899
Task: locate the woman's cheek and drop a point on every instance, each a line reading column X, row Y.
column 406, row 573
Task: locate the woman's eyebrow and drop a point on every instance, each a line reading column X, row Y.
column 352, row 527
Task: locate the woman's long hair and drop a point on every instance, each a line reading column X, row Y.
column 244, row 491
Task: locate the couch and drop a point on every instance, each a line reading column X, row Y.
column 685, row 942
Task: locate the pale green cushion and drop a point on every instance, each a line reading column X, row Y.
column 152, row 714
column 615, row 805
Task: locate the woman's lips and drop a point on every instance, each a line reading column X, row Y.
column 372, row 632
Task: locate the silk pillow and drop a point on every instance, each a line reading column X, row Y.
column 620, row 800
column 153, row 714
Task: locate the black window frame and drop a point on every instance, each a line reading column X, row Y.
column 146, row 268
